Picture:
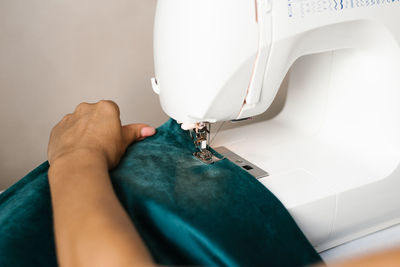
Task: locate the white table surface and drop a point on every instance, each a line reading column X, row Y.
column 385, row 239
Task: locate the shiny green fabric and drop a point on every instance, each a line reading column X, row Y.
column 188, row 213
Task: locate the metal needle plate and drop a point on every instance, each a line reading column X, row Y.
column 255, row 171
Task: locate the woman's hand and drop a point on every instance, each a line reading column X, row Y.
column 94, row 130
column 91, row 226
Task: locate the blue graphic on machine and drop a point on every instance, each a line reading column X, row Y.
column 303, row 8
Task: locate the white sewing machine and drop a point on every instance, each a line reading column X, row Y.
column 333, row 152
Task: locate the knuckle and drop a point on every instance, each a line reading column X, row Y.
column 108, row 106
column 82, row 106
column 66, row 118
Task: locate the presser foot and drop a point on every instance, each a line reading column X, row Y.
column 201, row 139
column 206, row 157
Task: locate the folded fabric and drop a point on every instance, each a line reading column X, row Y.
column 187, row 212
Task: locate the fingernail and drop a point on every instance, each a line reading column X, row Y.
column 147, row 131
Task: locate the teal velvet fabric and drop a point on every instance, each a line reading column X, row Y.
column 188, row 213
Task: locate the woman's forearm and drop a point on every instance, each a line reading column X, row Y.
column 91, row 226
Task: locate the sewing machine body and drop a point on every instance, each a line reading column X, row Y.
column 333, row 152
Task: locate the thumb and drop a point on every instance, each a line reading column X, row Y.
column 136, row 132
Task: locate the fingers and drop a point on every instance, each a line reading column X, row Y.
column 130, row 133
column 136, row 132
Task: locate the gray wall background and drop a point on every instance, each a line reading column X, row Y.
column 55, row 54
